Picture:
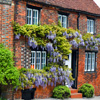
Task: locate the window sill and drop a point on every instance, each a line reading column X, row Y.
column 89, row 72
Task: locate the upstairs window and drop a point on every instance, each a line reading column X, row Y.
column 38, row 59
column 63, row 20
column 32, row 16
column 90, row 61
column 90, row 26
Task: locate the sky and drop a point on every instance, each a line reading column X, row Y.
column 97, row 2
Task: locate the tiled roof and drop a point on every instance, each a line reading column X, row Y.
column 79, row 5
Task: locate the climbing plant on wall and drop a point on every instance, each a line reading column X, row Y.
column 58, row 42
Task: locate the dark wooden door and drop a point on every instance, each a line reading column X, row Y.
column 75, row 67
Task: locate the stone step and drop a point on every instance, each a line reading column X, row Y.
column 76, row 95
column 74, row 90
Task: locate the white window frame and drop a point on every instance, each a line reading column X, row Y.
column 32, row 10
column 29, row 16
column 32, row 58
column 90, row 26
column 39, row 58
column 43, row 58
column 62, row 20
column 92, row 68
column 35, row 17
column 35, row 58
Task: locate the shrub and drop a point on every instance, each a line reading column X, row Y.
column 2, row 98
column 9, row 75
column 87, row 90
column 61, row 92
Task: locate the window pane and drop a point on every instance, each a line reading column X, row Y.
column 90, row 26
column 64, row 21
column 43, row 59
column 35, row 17
column 89, row 61
column 29, row 17
column 27, row 12
column 33, row 59
column 85, row 61
column 30, row 13
column 60, row 18
column 38, row 60
column 93, row 61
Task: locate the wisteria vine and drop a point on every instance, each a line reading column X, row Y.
column 58, row 42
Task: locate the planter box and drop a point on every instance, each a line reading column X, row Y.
column 28, row 94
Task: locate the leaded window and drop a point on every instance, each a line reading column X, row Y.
column 90, row 61
column 38, row 59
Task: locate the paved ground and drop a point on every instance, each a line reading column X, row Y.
column 94, row 98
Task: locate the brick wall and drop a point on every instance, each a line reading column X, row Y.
column 83, row 23
column 97, row 23
column 92, row 77
column 72, row 20
column 6, row 18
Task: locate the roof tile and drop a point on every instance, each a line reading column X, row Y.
column 82, row 5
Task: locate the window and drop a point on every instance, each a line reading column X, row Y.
column 38, row 59
column 90, row 26
column 90, row 61
column 32, row 16
column 63, row 20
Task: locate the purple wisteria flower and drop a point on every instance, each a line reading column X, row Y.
column 82, row 44
column 17, row 36
column 29, row 42
column 74, row 43
column 53, row 69
column 77, row 34
column 49, row 47
column 51, row 35
column 96, row 48
column 54, row 41
column 91, row 38
column 65, row 33
column 86, row 42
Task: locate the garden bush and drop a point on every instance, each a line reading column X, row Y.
column 9, row 75
column 61, row 92
column 87, row 90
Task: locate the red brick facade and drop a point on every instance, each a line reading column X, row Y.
column 17, row 12
column 6, row 18
column 92, row 77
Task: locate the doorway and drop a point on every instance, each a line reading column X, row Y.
column 75, row 56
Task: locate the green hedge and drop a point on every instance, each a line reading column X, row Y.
column 87, row 90
column 61, row 92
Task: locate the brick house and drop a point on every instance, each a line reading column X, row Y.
column 83, row 15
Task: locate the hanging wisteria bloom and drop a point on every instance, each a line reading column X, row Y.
column 34, row 45
column 74, row 43
column 91, row 38
column 65, row 33
column 29, row 42
column 96, row 48
column 49, row 47
column 76, row 34
column 51, row 35
column 54, row 41
column 82, row 44
column 17, row 36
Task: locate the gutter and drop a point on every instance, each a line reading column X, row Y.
column 68, row 9
column 78, row 21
